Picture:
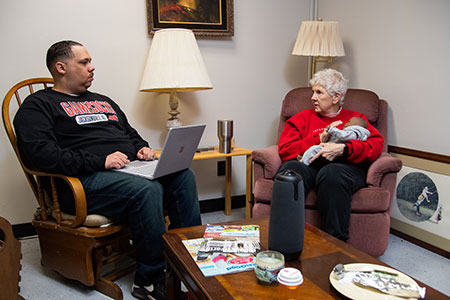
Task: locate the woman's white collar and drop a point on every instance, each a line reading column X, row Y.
column 333, row 114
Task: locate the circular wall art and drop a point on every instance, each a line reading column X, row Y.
column 417, row 197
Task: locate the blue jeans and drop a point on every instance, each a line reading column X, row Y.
column 139, row 202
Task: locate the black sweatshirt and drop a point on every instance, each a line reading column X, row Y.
column 72, row 135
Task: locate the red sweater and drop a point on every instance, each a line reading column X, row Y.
column 303, row 129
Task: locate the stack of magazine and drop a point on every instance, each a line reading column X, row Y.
column 225, row 249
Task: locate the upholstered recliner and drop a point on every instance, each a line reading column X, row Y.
column 371, row 205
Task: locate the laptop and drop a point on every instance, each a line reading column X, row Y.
column 177, row 153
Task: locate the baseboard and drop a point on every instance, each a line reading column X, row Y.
column 420, row 243
column 218, row 204
column 24, row 230
column 27, row 230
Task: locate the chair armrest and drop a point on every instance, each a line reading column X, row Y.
column 269, row 159
column 79, row 198
column 78, row 195
column 382, row 165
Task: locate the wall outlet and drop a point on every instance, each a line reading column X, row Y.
column 221, row 168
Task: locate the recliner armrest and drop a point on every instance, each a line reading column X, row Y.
column 382, row 165
column 269, row 159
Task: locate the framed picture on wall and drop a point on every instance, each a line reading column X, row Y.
column 203, row 17
column 421, row 202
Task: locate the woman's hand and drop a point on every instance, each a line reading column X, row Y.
column 146, row 153
column 335, row 123
column 330, row 151
column 325, row 135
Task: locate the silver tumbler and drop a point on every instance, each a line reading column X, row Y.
column 225, row 134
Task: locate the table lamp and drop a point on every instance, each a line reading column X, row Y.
column 319, row 39
column 174, row 63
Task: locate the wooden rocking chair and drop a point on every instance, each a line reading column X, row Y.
column 79, row 247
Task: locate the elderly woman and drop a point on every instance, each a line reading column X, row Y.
column 337, row 170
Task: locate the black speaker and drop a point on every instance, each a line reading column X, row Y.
column 287, row 215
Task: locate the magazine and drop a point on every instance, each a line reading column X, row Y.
column 231, row 239
column 225, row 249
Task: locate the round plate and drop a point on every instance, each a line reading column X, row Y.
column 346, row 287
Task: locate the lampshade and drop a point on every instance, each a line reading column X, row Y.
column 319, row 38
column 174, row 62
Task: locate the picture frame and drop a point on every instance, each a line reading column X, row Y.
column 421, row 201
column 210, row 18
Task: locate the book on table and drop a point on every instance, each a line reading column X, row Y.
column 225, row 249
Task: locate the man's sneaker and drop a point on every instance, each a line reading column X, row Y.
column 155, row 291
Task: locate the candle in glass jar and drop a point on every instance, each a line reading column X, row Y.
column 268, row 264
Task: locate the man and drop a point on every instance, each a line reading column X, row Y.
column 422, row 196
column 67, row 129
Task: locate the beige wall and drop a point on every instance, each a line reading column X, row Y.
column 399, row 49
column 250, row 72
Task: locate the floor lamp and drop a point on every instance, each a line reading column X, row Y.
column 319, row 39
column 174, row 64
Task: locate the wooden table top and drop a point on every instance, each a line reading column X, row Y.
column 237, row 151
column 321, row 252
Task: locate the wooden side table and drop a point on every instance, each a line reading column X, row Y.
column 10, row 256
column 237, row 151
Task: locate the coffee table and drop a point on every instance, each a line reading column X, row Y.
column 320, row 254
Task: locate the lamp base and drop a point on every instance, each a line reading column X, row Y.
column 319, row 59
column 173, row 121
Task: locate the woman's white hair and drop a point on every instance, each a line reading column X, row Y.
column 333, row 82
